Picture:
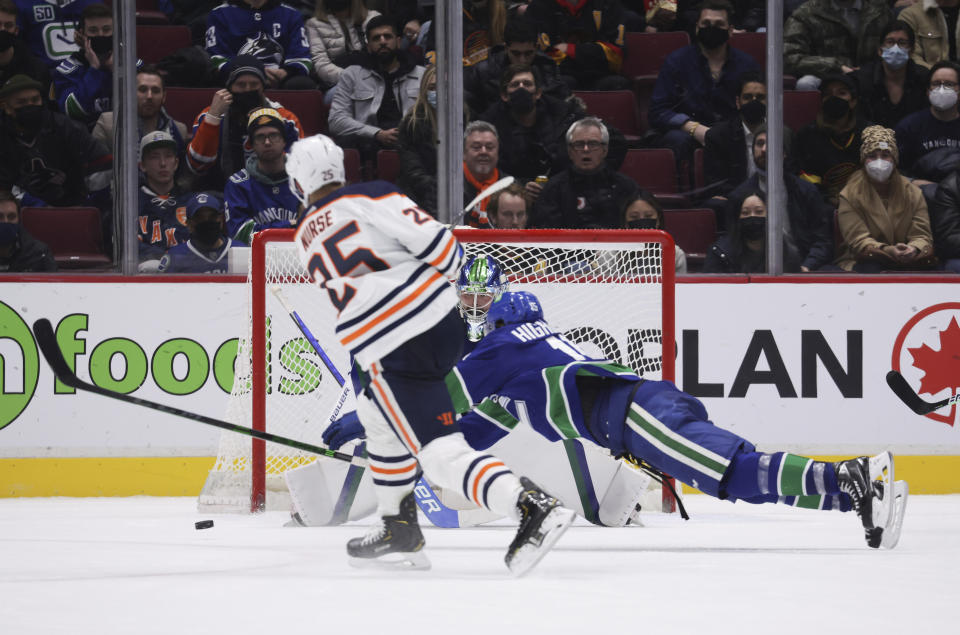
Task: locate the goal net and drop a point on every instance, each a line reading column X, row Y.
column 608, row 291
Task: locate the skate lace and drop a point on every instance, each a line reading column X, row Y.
column 851, row 486
column 374, row 534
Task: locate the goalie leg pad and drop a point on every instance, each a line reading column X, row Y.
column 330, row 493
column 627, row 490
column 482, row 479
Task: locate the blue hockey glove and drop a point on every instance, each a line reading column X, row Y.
column 346, row 428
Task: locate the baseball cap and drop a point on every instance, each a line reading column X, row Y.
column 20, row 82
column 155, row 139
column 838, row 78
column 265, row 117
column 245, row 65
column 200, row 201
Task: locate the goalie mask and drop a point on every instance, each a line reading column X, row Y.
column 312, row 163
column 481, row 282
column 514, row 307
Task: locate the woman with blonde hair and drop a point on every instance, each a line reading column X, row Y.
column 337, row 37
column 417, row 145
column 882, row 216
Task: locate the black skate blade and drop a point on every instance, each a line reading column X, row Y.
column 395, row 561
column 554, row 525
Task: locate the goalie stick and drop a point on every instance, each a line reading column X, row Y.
column 428, row 501
column 47, row 341
column 898, row 384
column 502, row 184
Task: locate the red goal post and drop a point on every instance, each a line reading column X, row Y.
column 609, row 291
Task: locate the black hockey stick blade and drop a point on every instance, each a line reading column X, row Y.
column 47, row 341
column 898, row 384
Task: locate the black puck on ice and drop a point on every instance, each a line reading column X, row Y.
column 203, row 524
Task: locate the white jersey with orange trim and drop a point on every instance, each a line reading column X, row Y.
column 385, row 263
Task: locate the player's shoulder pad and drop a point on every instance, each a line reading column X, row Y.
column 67, row 66
column 240, row 177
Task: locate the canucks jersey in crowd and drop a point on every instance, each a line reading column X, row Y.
column 274, row 33
column 268, row 201
column 162, row 222
column 48, row 26
column 191, row 258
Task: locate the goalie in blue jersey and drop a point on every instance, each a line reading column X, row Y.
column 523, row 371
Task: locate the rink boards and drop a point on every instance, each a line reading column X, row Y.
column 796, row 366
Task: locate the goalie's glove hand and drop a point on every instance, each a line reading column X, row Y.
column 346, row 428
column 245, row 233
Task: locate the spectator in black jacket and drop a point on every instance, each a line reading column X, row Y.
column 532, row 126
column 19, row 251
column 945, row 222
column 481, row 82
column 587, row 195
column 15, row 55
column 417, row 145
column 809, row 218
column 728, row 148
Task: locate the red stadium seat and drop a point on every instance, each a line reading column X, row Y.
column 655, row 170
column 351, row 165
column 155, row 42
column 617, row 108
column 753, row 44
column 800, row 107
column 388, row 165
column 643, row 59
column 74, row 235
column 693, row 230
column 184, row 104
column 307, row 105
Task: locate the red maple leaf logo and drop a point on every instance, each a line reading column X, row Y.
column 941, row 368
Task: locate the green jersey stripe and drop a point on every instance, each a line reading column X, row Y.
column 682, row 450
column 459, row 393
column 558, row 406
column 496, row 414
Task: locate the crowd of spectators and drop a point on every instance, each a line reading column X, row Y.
column 872, row 179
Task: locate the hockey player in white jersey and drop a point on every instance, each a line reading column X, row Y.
column 385, row 265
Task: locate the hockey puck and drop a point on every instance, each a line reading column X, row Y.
column 203, row 524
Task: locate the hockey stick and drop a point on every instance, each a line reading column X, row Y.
column 438, row 513
column 898, row 384
column 47, row 341
column 502, row 184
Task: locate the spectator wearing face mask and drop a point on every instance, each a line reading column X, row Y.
column 207, row 249
column 15, row 55
column 743, row 249
column 929, row 140
column 643, row 211
column 882, row 216
column 892, row 85
column 19, row 251
column 728, row 151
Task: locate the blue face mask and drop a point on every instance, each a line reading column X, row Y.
column 895, row 57
column 432, row 98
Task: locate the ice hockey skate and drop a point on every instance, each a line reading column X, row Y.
column 876, row 497
column 395, row 542
column 542, row 521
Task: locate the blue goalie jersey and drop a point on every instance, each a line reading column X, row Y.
column 527, row 373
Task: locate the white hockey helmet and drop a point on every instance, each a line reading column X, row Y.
column 312, row 163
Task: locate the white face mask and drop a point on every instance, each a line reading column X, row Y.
column 943, row 98
column 879, row 169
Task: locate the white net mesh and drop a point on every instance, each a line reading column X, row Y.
column 605, row 296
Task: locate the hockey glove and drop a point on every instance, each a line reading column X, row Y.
column 346, row 428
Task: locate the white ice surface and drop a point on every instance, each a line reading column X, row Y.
column 138, row 566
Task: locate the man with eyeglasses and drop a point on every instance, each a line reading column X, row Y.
column 481, row 82
column 258, row 197
column 892, row 85
column 588, row 195
column 929, row 140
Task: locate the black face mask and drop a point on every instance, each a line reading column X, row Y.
column 712, row 36
column 208, row 232
column 642, row 223
column 243, row 103
column 9, row 234
column 835, row 108
column 753, row 227
column 6, row 40
column 29, row 118
column 102, row 45
column 753, row 112
column 520, row 101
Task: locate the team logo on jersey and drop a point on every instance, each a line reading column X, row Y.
column 927, row 353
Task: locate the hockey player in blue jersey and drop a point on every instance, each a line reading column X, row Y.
column 258, row 196
column 269, row 30
column 206, row 250
column 385, row 265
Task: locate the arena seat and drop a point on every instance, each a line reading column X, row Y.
column 655, row 170
column 753, row 44
column 74, row 235
column 800, row 107
column 351, row 165
column 184, row 104
column 307, row 105
column 642, row 62
column 693, row 230
column 154, row 42
column 388, row 165
column 617, row 108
